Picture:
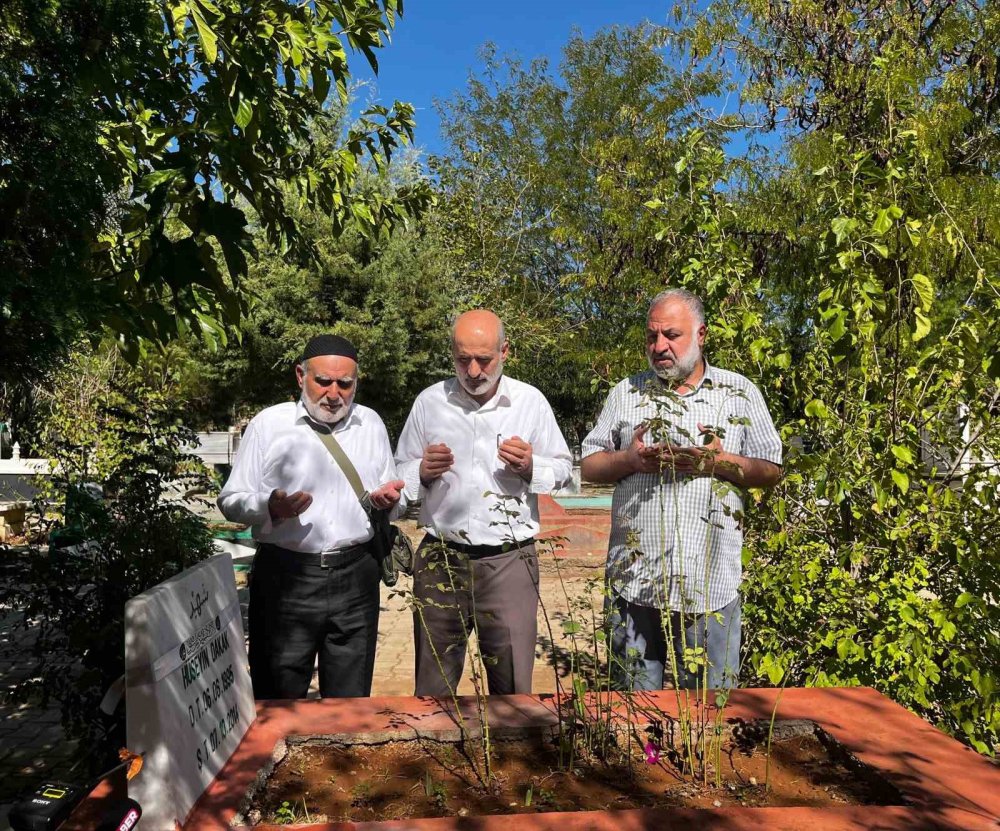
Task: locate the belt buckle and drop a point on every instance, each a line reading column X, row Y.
column 325, row 559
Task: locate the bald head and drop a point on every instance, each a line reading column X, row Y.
column 479, row 347
column 481, row 323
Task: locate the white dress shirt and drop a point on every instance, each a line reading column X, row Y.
column 281, row 450
column 461, row 505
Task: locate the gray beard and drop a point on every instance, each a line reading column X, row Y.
column 681, row 369
column 491, row 379
column 320, row 415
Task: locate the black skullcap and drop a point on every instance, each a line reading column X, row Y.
column 329, row 345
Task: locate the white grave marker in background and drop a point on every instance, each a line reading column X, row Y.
column 188, row 696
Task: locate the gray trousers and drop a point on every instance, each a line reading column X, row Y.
column 639, row 645
column 498, row 594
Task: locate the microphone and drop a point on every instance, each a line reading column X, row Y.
column 51, row 804
column 122, row 817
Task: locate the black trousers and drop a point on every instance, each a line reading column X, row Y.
column 299, row 608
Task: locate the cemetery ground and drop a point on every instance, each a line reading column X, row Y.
column 33, row 745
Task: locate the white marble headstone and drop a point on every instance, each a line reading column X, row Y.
column 188, row 696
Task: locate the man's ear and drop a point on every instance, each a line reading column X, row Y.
column 300, row 375
column 504, row 350
column 701, row 335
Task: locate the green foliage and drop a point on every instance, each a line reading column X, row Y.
column 543, row 193
column 288, row 814
column 848, row 260
column 285, row 814
column 105, row 428
column 870, row 564
column 140, row 137
column 392, row 299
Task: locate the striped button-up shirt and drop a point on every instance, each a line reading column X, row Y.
column 676, row 539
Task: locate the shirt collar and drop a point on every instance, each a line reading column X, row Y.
column 708, row 378
column 302, row 417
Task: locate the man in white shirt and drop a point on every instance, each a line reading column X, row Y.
column 315, row 583
column 478, row 449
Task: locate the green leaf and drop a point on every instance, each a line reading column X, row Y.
column 882, row 222
column 817, row 409
column 774, row 671
column 153, row 180
column 178, row 13
column 922, row 327
column 901, row 479
column 845, row 259
column 924, row 289
column 244, row 112
column 904, row 454
column 842, row 226
column 209, row 40
column 321, row 82
column 838, row 328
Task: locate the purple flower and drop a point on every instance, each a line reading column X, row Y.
column 652, row 752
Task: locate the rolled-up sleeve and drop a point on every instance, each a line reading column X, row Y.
column 761, row 439
column 601, row 439
column 410, row 452
column 552, row 463
column 242, row 499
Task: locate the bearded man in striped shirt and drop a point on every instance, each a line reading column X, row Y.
column 681, row 441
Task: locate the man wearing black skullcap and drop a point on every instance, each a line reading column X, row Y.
column 315, row 585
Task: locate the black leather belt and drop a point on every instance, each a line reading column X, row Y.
column 324, row 559
column 475, row 552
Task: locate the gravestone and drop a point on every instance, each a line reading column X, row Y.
column 188, row 696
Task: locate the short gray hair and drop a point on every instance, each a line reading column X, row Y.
column 692, row 301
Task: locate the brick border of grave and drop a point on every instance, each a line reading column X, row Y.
column 945, row 784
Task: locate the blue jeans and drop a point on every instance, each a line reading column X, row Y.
column 639, row 645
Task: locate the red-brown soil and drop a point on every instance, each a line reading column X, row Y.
column 431, row 778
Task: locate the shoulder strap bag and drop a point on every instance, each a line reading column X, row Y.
column 391, row 547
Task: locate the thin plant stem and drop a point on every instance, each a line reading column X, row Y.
column 770, row 730
column 478, row 673
column 442, row 550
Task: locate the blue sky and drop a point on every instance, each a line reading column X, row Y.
column 435, row 45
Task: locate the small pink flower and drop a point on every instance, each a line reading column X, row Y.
column 652, row 753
